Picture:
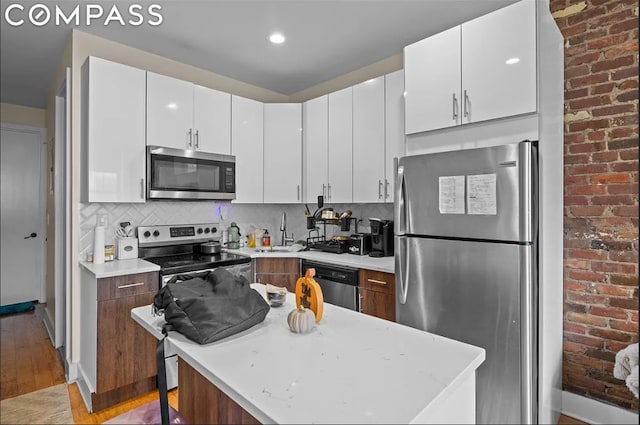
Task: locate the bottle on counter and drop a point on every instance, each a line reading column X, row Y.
column 266, row 239
column 251, row 240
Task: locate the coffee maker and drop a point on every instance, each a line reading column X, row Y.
column 381, row 238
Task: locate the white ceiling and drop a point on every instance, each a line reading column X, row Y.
column 325, row 38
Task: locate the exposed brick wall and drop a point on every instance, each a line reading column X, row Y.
column 601, row 193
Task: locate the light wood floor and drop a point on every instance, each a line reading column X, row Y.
column 28, row 362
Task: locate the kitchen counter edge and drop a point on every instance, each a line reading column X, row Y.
column 120, row 267
column 382, row 264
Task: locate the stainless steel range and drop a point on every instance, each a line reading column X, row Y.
column 177, row 250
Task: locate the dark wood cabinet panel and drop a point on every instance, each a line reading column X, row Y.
column 377, row 294
column 278, row 271
column 125, row 350
column 201, row 402
column 127, row 285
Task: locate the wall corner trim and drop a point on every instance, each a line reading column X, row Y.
column 594, row 411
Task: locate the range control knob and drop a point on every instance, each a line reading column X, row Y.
column 156, row 233
column 206, row 230
column 146, row 234
column 199, row 230
column 214, row 229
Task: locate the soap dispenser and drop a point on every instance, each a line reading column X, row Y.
column 266, row 239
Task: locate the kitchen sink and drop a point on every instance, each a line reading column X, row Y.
column 278, row 248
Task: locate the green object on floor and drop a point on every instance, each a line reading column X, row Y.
column 16, row 308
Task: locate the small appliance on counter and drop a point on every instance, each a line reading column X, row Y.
column 360, row 243
column 381, row 238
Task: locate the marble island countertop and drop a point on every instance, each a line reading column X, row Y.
column 352, row 368
column 382, row 264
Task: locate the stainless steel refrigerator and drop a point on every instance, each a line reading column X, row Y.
column 466, row 264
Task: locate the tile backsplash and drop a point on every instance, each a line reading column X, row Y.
column 247, row 216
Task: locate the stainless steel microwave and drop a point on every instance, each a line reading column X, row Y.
column 189, row 174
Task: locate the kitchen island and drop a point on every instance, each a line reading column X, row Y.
column 352, row 368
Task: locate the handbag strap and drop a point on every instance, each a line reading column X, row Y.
column 162, row 380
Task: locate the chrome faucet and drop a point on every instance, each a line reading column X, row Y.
column 283, row 230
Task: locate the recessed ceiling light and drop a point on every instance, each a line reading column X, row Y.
column 276, row 38
column 512, row 61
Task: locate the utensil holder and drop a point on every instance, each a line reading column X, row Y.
column 127, row 248
column 311, row 223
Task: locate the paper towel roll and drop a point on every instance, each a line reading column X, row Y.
column 98, row 245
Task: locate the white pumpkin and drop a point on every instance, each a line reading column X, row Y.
column 301, row 320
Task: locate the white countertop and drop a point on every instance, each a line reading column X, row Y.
column 382, row 264
column 120, row 267
column 352, row 368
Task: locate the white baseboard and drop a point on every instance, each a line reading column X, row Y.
column 85, row 390
column 48, row 324
column 594, row 411
column 71, row 369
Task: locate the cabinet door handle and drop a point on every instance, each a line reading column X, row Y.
column 455, row 108
column 324, row 186
column 197, row 139
column 360, row 298
column 298, row 192
column 386, row 188
column 464, row 105
column 141, row 188
column 131, row 285
column 329, row 191
column 379, row 189
column 189, row 145
column 379, row 282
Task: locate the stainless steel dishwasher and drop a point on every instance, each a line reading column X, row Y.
column 339, row 284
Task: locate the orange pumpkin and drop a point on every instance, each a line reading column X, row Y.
column 309, row 294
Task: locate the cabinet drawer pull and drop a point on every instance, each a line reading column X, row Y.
column 131, row 285
column 379, row 282
column 465, row 101
column 455, row 107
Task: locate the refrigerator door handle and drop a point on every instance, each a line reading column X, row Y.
column 402, row 268
column 400, row 222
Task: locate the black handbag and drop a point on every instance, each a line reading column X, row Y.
column 205, row 308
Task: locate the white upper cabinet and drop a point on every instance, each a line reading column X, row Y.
column 113, row 132
column 182, row 115
column 394, row 128
column 432, row 76
column 500, row 80
column 247, row 146
column 315, row 124
column 481, row 70
column 339, row 188
column 368, row 141
column 169, row 112
column 282, row 153
column 212, row 120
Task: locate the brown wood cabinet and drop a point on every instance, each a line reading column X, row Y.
column 278, row 271
column 120, row 356
column 377, row 294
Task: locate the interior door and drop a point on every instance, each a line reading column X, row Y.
column 22, row 246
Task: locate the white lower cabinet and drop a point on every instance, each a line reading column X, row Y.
column 113, row 132
column 282, row 153
column 247, row 145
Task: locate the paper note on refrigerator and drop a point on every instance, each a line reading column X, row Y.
column 481, row 194
column 451, row 194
